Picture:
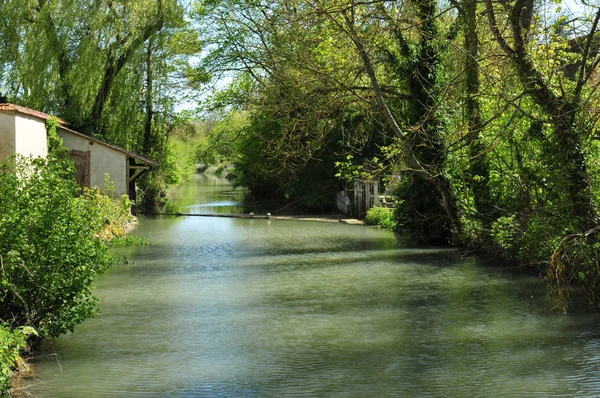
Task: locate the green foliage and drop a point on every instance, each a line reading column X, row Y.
column 128, row 241
column 12, row 341
column 382, row 217
column 77, row 56
column 51, row 245
column 348, row 169
column 505, row 232
column 55, row 143
column 181, row 160
column 178, row 160
column 115, row 212
column 219, row 140
column 281, row 153
column 174, row 168
column 255, row 167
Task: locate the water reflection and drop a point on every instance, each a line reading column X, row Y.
column 208, row 194
column 271, row 308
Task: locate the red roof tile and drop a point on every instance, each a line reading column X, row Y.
column 30, row 112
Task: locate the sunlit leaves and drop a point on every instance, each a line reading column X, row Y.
column 49, row 246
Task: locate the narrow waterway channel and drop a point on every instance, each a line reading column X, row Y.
column 221, row 307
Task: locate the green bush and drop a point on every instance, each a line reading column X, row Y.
column 50, row 244
column 116, row 212
column 11, row 344
column 382, row 217
column 505, row 232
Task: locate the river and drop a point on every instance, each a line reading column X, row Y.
column 222, row 307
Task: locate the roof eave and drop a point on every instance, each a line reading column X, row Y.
column 115, row 147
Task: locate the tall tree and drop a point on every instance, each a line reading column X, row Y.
column 563, row 110
column 478, row 170
column 66, row 57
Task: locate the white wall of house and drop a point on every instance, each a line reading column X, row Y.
column 31, row 139
column 22, row 134
column 103, row 159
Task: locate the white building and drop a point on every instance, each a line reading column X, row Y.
column 23, row 131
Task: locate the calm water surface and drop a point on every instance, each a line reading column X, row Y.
column 221, row 307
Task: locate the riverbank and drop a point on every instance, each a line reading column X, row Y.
column 343, row 218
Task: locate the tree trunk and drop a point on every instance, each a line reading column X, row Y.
column 147, row 142
column 68, row 107
column 427, row 60
column 477, row 169
column 570, row 159
column 118, row 55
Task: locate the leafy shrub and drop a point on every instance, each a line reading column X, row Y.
column 505, row 232
column 11, row 344
column 115, row 212
column 50, row 243
column 382, row 217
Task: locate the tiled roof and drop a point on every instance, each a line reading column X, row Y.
column 63, row 126
column 116, row 148
column 30, row 112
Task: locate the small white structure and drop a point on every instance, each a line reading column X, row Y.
column 23, row 131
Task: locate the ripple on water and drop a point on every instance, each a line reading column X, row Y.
column 269, row 308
